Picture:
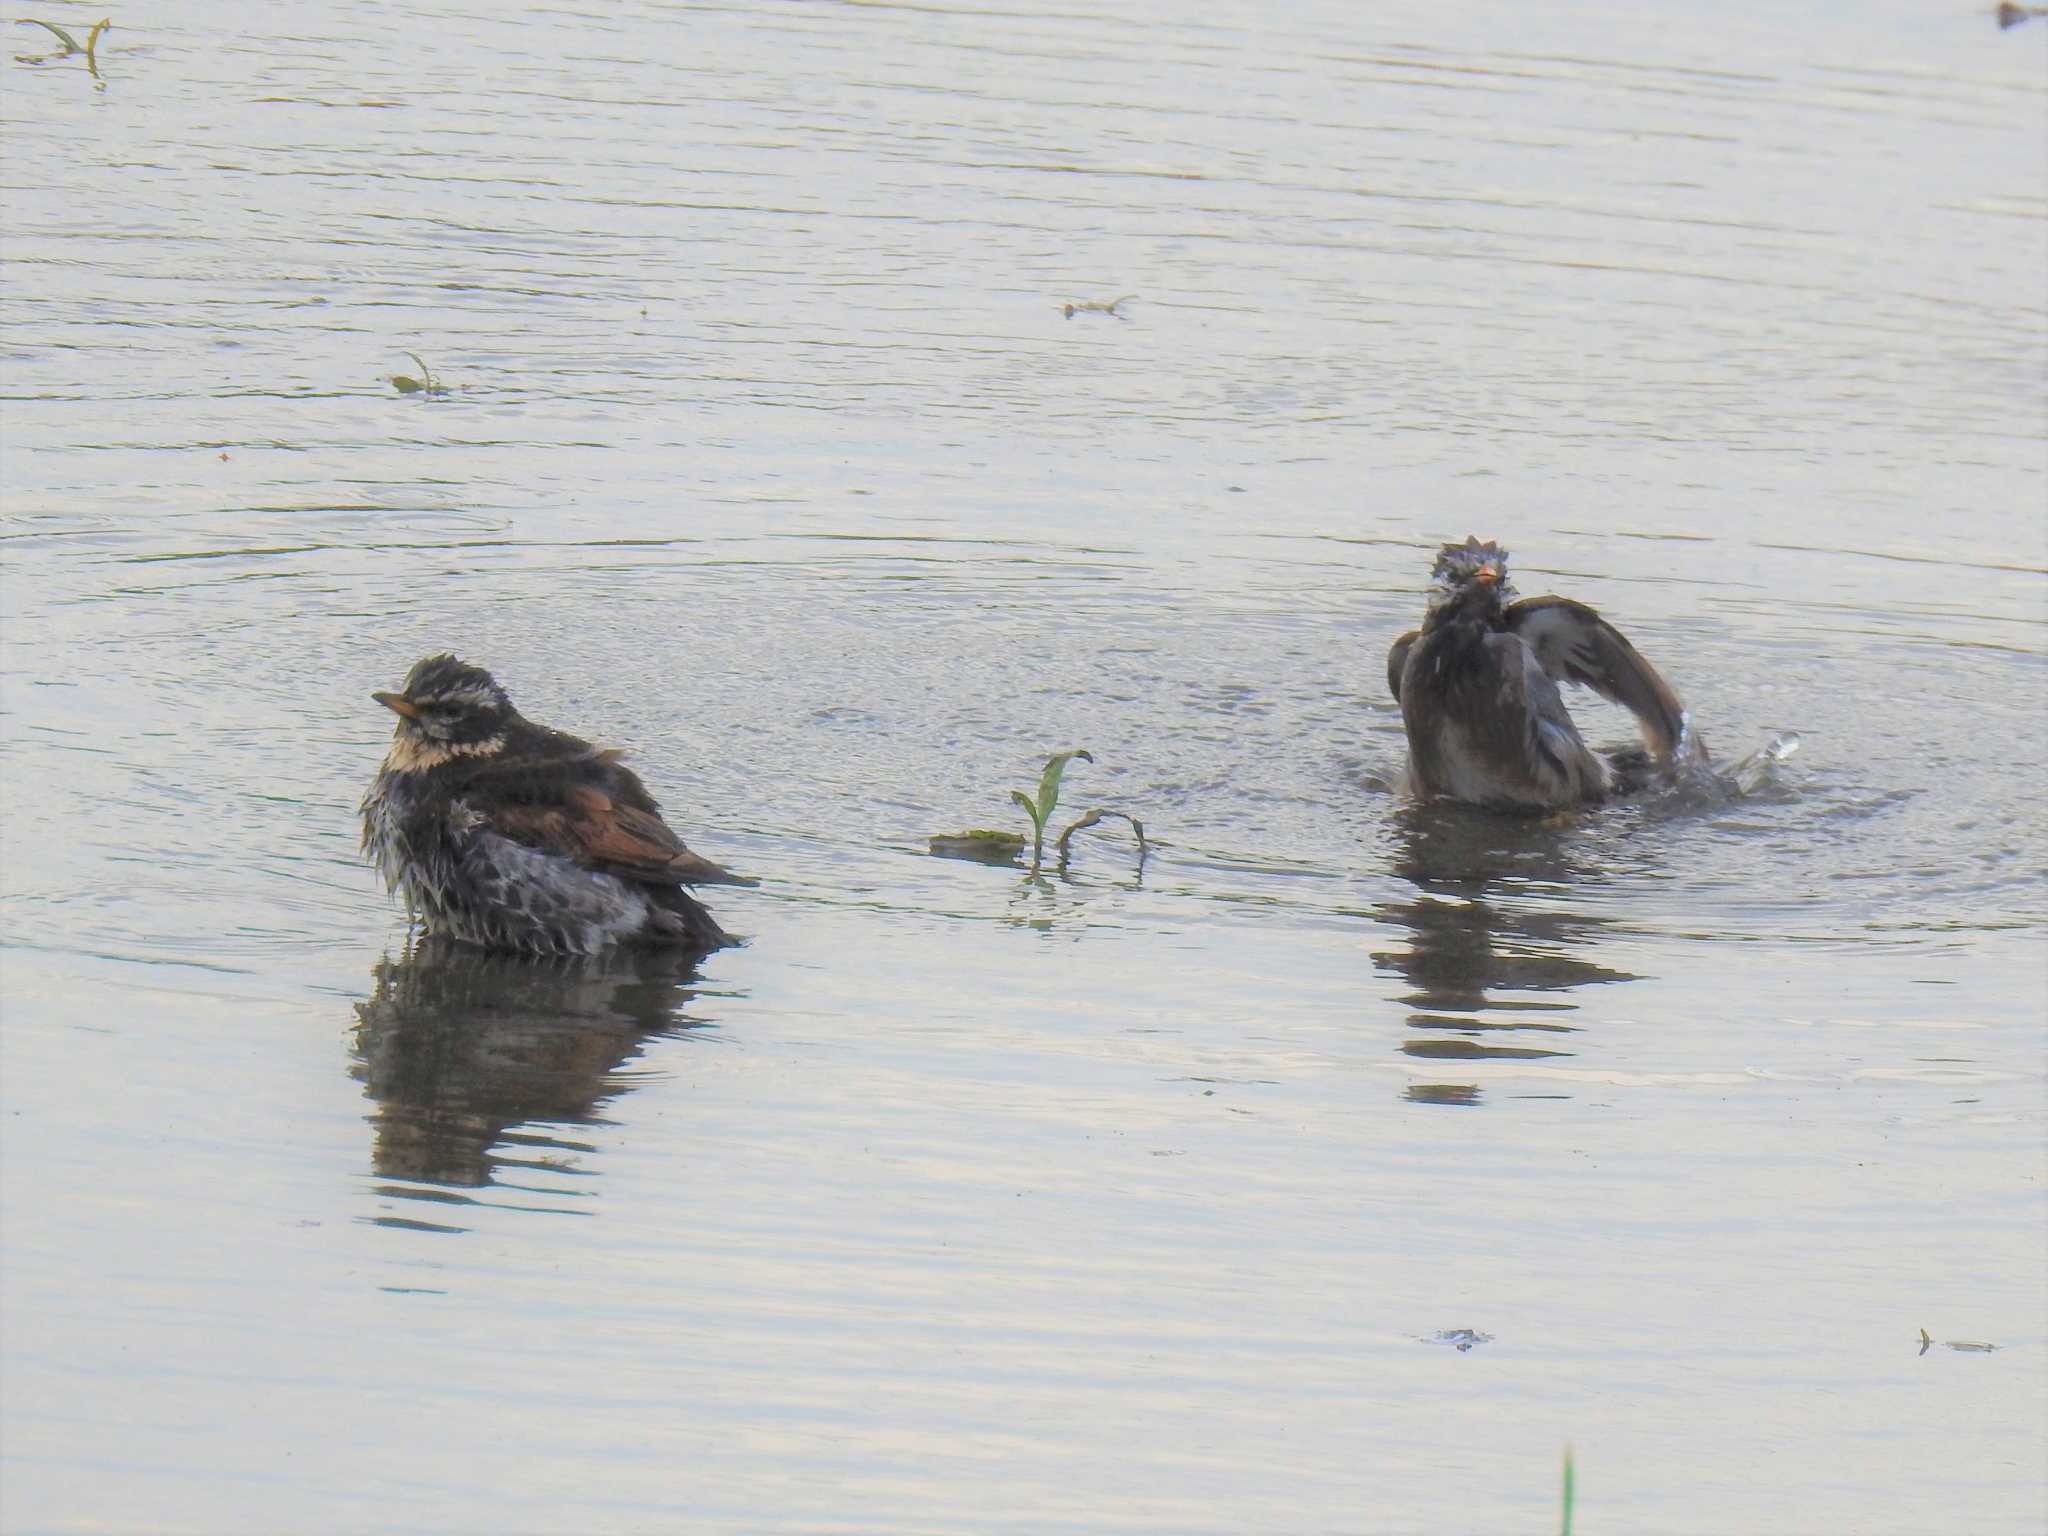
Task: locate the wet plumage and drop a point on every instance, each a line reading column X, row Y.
column 1478, row 689
column 507, row 834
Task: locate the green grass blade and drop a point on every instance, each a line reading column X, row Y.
column 70, row 43
column 1567, row 1529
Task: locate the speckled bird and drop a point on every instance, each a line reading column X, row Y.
column 1477, row 685
column 507, row 834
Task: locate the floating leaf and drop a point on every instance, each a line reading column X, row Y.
column 979, row 844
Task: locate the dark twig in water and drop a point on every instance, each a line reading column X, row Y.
column 1094, row 817
column 1098, row 307
column 2013, row 15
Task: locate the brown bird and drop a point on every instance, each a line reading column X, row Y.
column 1477, row 685
column 507, row 834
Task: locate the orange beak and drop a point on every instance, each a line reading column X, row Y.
column 1487, row 575
column 398, row 704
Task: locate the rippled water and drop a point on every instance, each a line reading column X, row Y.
column 1133, row 1199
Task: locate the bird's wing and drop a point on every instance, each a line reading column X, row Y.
column 1397, row 662
column 1575, row 645
column 602, row 834
column 561, row 793
column 1528, row 736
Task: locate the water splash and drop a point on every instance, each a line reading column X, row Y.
column 1760, row 768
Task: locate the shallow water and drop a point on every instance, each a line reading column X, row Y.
column 1125, row 1200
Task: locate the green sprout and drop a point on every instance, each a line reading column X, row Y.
column 989, row 847
column 70, row 44
column 1567, row 1491
column 1040, row 809
column 426, row 382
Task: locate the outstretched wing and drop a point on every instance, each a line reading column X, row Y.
column 1397, row 662
column 1575, row 645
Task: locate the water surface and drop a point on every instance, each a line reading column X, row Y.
column 959, row 1201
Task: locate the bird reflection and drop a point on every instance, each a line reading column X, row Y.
column 1477, row 944
column 456, row 1045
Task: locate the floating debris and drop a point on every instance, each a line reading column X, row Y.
column 1463, row 1095
column 980, row 845
column 1461, row 1338
column 1113, row 307
column 69, row 44
column 426, row 383
column 2010, row 16
column 1094, row 818
column 1963, row 1346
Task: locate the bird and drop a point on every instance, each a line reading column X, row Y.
column 1478, row 690
column 504, row 833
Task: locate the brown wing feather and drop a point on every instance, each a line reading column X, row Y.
column 1575, row 645
column 587, row 825
column 560, row 793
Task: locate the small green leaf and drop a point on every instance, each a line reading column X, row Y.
column 1049, row 781
column 1030, row 809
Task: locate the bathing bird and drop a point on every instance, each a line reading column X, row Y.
column 504, row 833
column 1478, row 690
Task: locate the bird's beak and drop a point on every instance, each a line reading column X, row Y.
column 1487, row 575
column 398, row 704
